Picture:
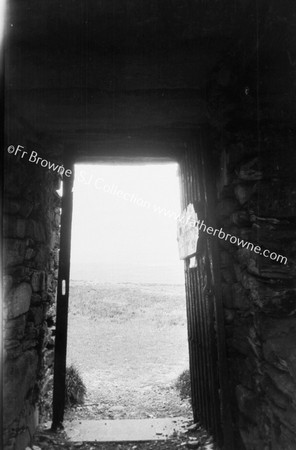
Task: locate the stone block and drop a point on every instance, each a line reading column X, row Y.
column 14, row 227
column 20, row 273
column 50, row 280
column 227, row 246
column 30, row 253
column 35, row 231
column 57, row 220
column 14, row 251
column 266, row 268
column 240, row 339
column 51, row 264
column 277, row 199
column 250, row 282
column 244, row 233
column 56, row 257
column 49, row 358
column 55, row 239
column 45, row 333
column 44, row 296
column 38, row 281
column 12, row 188
column 7, row 281
column 273, row 230
column 26, row 208
column 238, row 272
column 240, row 297
column 35, row 299
column 247, row 368
column 30, row 242
column 11, row 206
column 272, row 328
column 244, row 192
column 48, row 384
column 10, row 445
column 13, row 350
column 271, row 298
column 38, row 315
column 280, row 150
column 228, row 275
column 19, row 377
column 229, row 315
column 22, row 440
column 241, row 218
column 8, row 437
column 287, row 417
column 287, row 438
column 225, row 259
column 248, row 403
column 19, row 300
column 51, row 299
column 280, row 351
column 273, row 394
column 29, row 344
column 50, row 216
column 29, row 419
column 227, row 295
column 15, row 328
column 42, row 257
column 31, row 331
column 284, row 383
column 226, row 207
column 251, row 437
column 243, row 256
column 12, row 346
column 51, row 338
column 250, row 170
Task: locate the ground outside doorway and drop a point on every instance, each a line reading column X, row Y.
column 133, row 400
column 182, row 436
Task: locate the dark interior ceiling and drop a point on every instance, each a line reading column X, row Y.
column 77, row 68
column 120, row 26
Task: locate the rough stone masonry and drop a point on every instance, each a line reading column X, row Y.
column 31, row 244
column 89, row 75
column 257, row 201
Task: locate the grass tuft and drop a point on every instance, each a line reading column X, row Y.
column 183, row 385
column 75, row 388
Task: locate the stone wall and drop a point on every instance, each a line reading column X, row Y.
column 31, row 239
column 257, row 202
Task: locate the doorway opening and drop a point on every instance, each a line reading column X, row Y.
column 127, row 326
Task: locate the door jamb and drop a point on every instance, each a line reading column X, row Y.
column 59, row 385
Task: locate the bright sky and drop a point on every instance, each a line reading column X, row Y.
column 124, row 228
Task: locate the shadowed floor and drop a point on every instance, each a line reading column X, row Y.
column 125, row 430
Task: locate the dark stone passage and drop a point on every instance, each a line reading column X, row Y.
column 210, row 85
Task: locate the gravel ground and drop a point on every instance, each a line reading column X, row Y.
column 195, row 439
column 129, row 343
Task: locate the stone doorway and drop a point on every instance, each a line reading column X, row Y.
column 127, row 330
column 195, row 188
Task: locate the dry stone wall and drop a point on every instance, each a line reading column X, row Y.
column 257, row 203
column 31, row 242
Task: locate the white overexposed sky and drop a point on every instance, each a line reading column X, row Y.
column 136, row 226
